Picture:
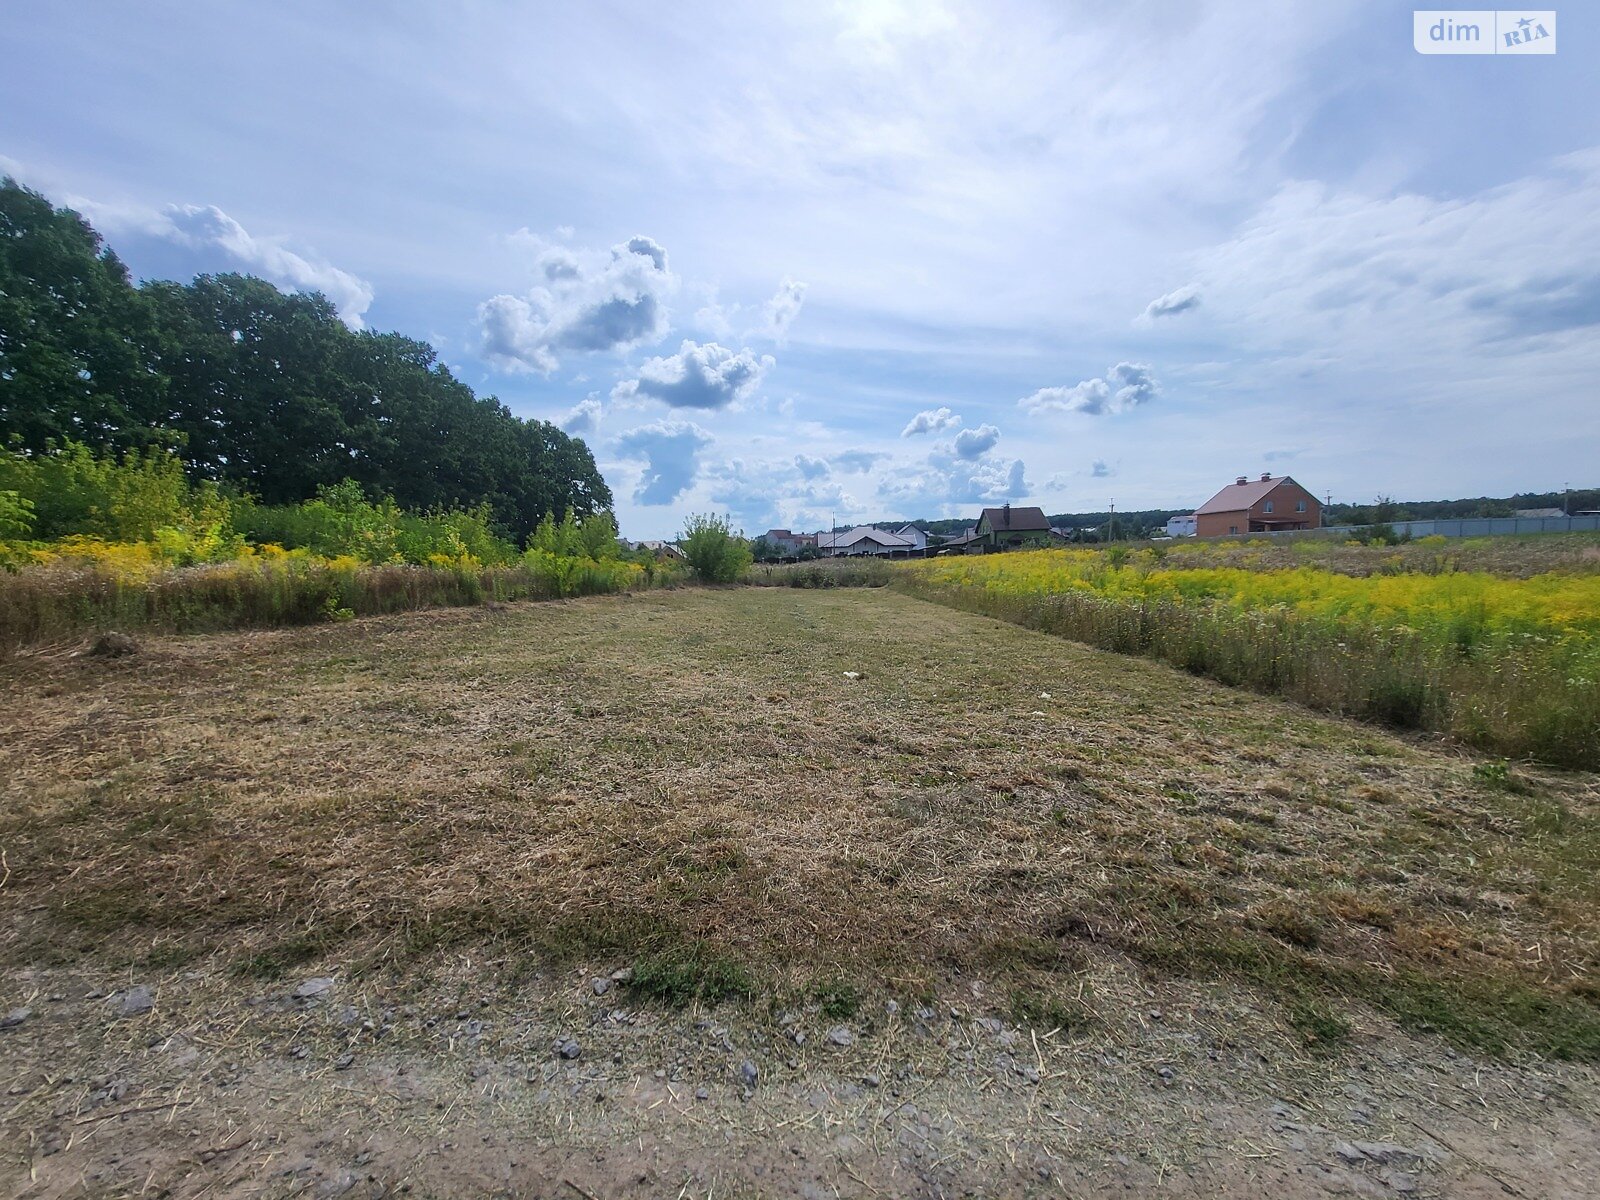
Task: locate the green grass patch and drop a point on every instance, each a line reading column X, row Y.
column 691, row 972
column 840, row 1000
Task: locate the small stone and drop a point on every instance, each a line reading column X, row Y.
column 623, row 975
column 344, row 1062
column 890, row 1007
column 570, row 1049
column 15, row 1017
column 1031, row 1074
column 1348, row 1152
column 748, row 1074
column 871, row 1081
column 602, row 986
column 321, row 985
column 701, row 1093
column 136, row 1001
column 1403, row 1182
column 840, row 1036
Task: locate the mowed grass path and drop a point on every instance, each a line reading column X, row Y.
column 689, row 781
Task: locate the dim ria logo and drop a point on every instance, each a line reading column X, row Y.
column 1484, row 31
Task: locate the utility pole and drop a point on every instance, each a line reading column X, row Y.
column 1566, row 499
column 1111, row 525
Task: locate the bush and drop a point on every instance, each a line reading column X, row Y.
column 342, row 521
column 715, row 553
column 141, row 496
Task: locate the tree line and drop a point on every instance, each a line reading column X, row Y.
column 263, row 391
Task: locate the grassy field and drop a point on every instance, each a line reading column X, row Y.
column 691, row 782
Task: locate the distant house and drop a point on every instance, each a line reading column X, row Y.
column 1262, row 505
column 785, row 542
column 917, row 537
column 1532, row 513
column 1007, row 526
column 660, row 549
column 863, row 539
column 1182, row 525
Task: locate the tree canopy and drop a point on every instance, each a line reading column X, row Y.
column 258, row 389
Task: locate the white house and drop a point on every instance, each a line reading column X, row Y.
column 863, row 539
column 917, row 538
column 1181, row 526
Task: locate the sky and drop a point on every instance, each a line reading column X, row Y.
column 812, row 264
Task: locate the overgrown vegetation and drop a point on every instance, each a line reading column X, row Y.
column 128, row 541
column 1511, row 665
column 823, row 573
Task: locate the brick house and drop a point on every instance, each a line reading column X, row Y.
column 1258, row 506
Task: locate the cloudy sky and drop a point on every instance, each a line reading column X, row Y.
column 808, row 263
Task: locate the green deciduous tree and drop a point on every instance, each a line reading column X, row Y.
column 713, row 550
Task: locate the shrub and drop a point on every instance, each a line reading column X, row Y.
column 715, row 553
column 67, row 490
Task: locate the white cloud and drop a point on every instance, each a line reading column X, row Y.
column 945, row 479
column 783, row 308
column 812, row 468
column 583, row 419
column 761, row 495
column 933, row 420
column 585, row 303
column 975, row 443
column 1125, row 386
column 671, row 454
column 708, row 376
column 1179, row 301
column 1426, row 279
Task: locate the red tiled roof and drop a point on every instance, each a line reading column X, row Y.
column 1237, row 497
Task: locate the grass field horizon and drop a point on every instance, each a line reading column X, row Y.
column 757, row 794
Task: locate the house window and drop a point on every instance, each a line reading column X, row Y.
column 1233, row 529
column 1268, row 507
column 1299, row 506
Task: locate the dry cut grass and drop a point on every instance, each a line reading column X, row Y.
column 691, row 782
